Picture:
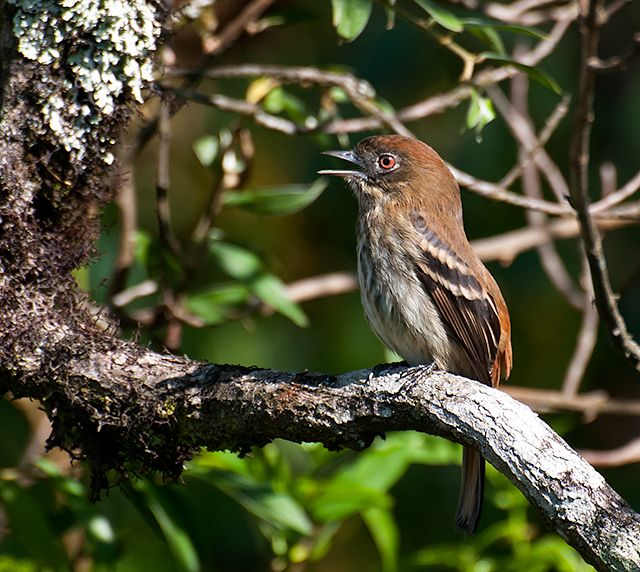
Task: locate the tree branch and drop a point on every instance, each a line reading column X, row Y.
column 627, row 453
column 579, row 170
column 131, row 409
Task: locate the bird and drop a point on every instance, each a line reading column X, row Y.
column 425, row 293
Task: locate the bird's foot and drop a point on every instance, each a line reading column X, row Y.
column 416, row 373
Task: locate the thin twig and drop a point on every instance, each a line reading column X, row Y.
column 620, row 62
column 330, row 284
column 507, row 246
column 515, row 10
column 518, row 118
column 612, row 199
column 625, row 455
column 303, row 75
column 608, row 179
column 133, row 293
column 612, row 9
column 163, row 215
column 524, row 133
column 591, row 404
column 236, row 27
column 126, row 201
column 241, row 107
column 443, row 101
column 496, row 192
column 532, row 13
column 173, row 333
column 321, row 286
column 586, row 342
column 540, row 141
column 224, row 180
column 469, row 59
column 359, row 91
column 579, row 166
column 231, row 32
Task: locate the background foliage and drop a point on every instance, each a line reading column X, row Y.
column 287, row 507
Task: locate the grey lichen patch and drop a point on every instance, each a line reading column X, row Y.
column 94, row 53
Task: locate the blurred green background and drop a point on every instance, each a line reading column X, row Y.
column 290, row 507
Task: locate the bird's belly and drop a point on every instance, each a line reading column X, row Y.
column 399, row 310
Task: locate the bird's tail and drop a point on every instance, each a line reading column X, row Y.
column 471, row 490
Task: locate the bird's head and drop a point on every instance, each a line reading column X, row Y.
column 392, row 168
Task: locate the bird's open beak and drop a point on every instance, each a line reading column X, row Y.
column 346, row 156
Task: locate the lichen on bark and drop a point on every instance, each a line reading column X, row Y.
column 91, row 56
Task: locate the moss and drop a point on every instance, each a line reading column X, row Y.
column 167, row 409
column 94, row 55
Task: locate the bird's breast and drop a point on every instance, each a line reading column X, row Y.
column 399, row 310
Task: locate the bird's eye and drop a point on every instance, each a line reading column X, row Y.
column 386, row 162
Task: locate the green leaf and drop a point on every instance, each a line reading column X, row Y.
column 536, row 74
column 338, row 94
column 428, row 449
column 364, row 483
column 323, row 539
column 379, row 468
column 67, row 485
column 32, row 527
column 350, row 17
column 480, row 113
column 279, row 100
column 482, row 23
column 339, row 502
column 13, row 564
column 142, row 245
column 221, row 460
column 443, row 17
column 162, row 263
column 206, row 149
column 234, row 260
column 558, row 555
column 212, row 304
column 384, row 530
column 278, row 509
column 283, row 200
column 285, row 510
column 177, row 538
column 490, row 37
column 246, row 266
column 271, row 289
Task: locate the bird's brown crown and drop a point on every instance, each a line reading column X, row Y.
column 404, row 173
column 395, row 158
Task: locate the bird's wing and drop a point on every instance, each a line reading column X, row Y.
column 468, row 311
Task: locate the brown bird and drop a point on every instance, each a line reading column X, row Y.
column 425, row 293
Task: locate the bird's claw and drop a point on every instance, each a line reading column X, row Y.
column 416, row 373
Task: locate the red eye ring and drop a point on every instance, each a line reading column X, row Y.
column 387, row 162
